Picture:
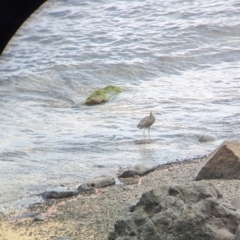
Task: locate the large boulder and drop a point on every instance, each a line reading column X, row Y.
column 223, row 163
column 194, row 211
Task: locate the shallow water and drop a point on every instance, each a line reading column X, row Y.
column 179, row 58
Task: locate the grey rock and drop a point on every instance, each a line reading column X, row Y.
column 97, row 182
column 236, row 202
column 207, row 138
column 223, row 163
column 194, row 211
column 140, row 169
column 61, row 192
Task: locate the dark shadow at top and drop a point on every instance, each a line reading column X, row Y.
column 13, row 13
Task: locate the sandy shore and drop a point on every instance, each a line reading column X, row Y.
column 93, row 216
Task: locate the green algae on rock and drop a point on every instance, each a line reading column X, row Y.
column 102, row 95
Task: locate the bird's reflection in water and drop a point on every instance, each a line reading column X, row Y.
column 144, row 141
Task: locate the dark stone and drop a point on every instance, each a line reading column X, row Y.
column 132, row 207
column 194, row 211
column 97, row 182
column 140, row 169
column 127, row 173
column 38, row 218
column 59, row 193
column 173, row 191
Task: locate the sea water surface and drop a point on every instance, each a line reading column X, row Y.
column 179, row 58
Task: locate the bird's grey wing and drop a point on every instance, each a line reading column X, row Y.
column 142, row 123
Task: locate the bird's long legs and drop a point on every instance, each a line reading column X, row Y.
column 149, row 132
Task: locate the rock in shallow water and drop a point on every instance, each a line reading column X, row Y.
column 102, row 95
column 207, row 138
column 194, row 211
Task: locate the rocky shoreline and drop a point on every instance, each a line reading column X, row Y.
column 92, row 215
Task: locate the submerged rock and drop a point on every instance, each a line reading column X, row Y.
column 223, row 163
column 194, row 211
column 207, row 138
column 102, row 95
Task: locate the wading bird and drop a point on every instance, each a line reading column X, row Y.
column 146, row 122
